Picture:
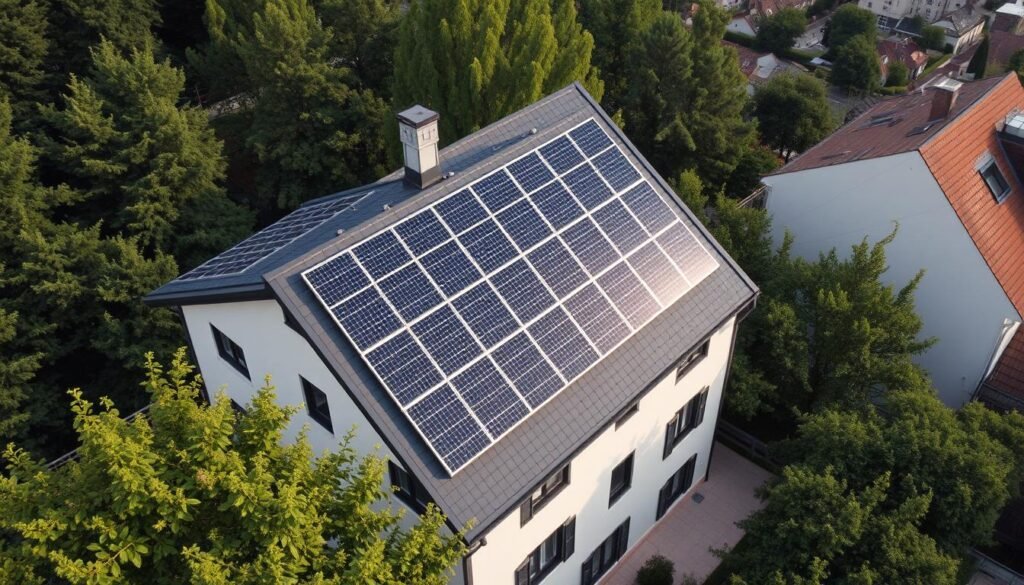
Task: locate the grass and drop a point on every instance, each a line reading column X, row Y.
column 934, row 63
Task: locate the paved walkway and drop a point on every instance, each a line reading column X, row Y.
column 689, row 530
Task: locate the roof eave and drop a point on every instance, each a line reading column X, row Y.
column 230, row 294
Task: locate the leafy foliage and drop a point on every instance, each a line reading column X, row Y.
column 200, row 494
column 23, row 49
column 793, row 113
column 856, row 67
column 932, row 37
column 618, row 27
column 656, row 570
column 126, row 24
column 778, row 32
column 850, row 22
column 898, row 75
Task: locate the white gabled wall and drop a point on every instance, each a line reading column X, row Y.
column 587, row 495
column 959, row 299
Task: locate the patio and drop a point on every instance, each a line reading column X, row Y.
column 690, row 529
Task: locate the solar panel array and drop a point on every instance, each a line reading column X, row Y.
column 478, row 309
column 272, row 238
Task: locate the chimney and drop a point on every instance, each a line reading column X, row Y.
column 944, row 96
column 418, row 131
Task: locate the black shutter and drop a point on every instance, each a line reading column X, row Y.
column 623, row 540
column 668, row 437
column 526, row 511
column 703, row 405
column 568, row 538
column 588, row 571
column 688, row 474
column 663, row 499
column 523, row 573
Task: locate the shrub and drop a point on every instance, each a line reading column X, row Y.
column 657, row 570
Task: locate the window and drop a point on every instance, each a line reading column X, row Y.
column 547, row 491
column 622, row 479
column 688, row 418
column 555, row 549
column 606, row 554
column 408, row 488
column 230, row 351
column 692, row 359
column 994, row 179
column 675, row 486
column 627, row 414
column 316, row 404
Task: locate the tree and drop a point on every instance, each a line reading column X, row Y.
column 856, row 67
column 849, row 22
column 198, row 493
column 777, row 33
column 932, row 37
column 126, row 24
column 617, row 26
column 1016, row 63
column 979, row 62
column 313, row 131
column 363, row 37
column 755, row 163
column 475, row 61
column 792, row 113
column 898, row 75
column 16, row 374
column 218, row 61
column 139, row 162
column 23, row 49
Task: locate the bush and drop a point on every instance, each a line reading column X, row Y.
column 657, row 570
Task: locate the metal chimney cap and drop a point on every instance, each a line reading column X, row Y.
column 417, row 116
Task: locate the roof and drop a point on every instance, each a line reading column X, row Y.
column 1011, row 8
column 892, row 126
column 1008, row 375
column 904, row 51
column 1002, row 45
column 496, row 481
column 953, row 157
column 770, row 7
column 747, row 57
column 963, row 19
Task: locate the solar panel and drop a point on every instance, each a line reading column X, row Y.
column 478, row 309
column 271, row 238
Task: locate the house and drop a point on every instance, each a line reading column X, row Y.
column 889, row 12
column 943, row 165
column 766, row 8
column 528, row 322
column 742, row 24
column 905, row 51
column 964, row 27
column 1006, row 35
column 760, row 67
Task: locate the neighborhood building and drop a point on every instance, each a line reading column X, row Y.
column 760, row 67
column 1006, row 35
column 901, row 50
column 528, row 323
column 766, row 8
column 962, row 20
column 943, row 165
column 964, row 27
column 890, row 12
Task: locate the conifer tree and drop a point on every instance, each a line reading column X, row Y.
column 475, row 61
column 82, row 24
column 218, row 61
column 23, row 49
column 196, row 493
column 363, row 38
column 617, row 26
column 139, row 161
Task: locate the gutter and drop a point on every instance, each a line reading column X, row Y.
column 467, row 561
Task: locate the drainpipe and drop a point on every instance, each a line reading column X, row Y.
column 467, row 562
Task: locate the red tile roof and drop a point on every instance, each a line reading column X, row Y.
column 1008, row 375
column 747, row 58
column 904, row 51
column 952, row 156
column 892, row 126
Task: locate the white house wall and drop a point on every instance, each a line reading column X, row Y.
column 959, row 299
column 587, row 495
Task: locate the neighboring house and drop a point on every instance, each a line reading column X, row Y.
column 742, row 24
column 759, row 67
column 906, row 51
column 1006, row 35
column 964, row 27
column 890, row 12
column 943, row 164
column 529, row 323
column 731, row 4
column 766, row 8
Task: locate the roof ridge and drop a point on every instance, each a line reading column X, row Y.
column 978, row 99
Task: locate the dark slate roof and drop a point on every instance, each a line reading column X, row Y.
column 497, row 481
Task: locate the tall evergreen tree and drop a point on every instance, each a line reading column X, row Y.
column 363, row 38
column 140, row 162
column 23, row 49
column 218, row 61
column 313, row 131
column 16, row 375
column 127, row 24
column 617, row 26
column 475, row 61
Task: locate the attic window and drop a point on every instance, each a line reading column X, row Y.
column 996, row 182
column 880, row 120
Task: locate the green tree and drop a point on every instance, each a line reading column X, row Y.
column 218, row 61
column 139, row 162
column 898, row 75
column 363, row 37
column 16, row 375
column 127, row 24
column 849, row 22
column 201, row 494
column 792, row 113
column 313, row 131
column 755, row 163
column 475, row 61
column 856, row 67
column 778, row 32
column 23, row 49
column 1016, row 63
column 932, row 37
column 617, row 26
column 979, row 62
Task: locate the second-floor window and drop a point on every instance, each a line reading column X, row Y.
column 316, row 404
column 691, row 360
column 408, row 489
column 555, row 483
column 688, row 418
column 230, row 351
column 555, row 549
column 622, row 479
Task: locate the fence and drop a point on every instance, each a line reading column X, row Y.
column 71, row 456
column 756, row 199
column 746, row 444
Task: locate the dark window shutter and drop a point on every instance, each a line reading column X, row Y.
column 526, row 511
column 623, row 543
column 703, row 405
column 588, row 571
column 668, row 437
column 688, row 474
column 662, row 499
column 523, row 573
column 568, row 538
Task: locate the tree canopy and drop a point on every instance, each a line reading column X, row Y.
column 617, row 26
column 932, row 37
column 856, row 67
column 199, row 493
column 898, row 75
column 850, row 21
column 792, row 113
column 23, row 49
column 778, row 32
